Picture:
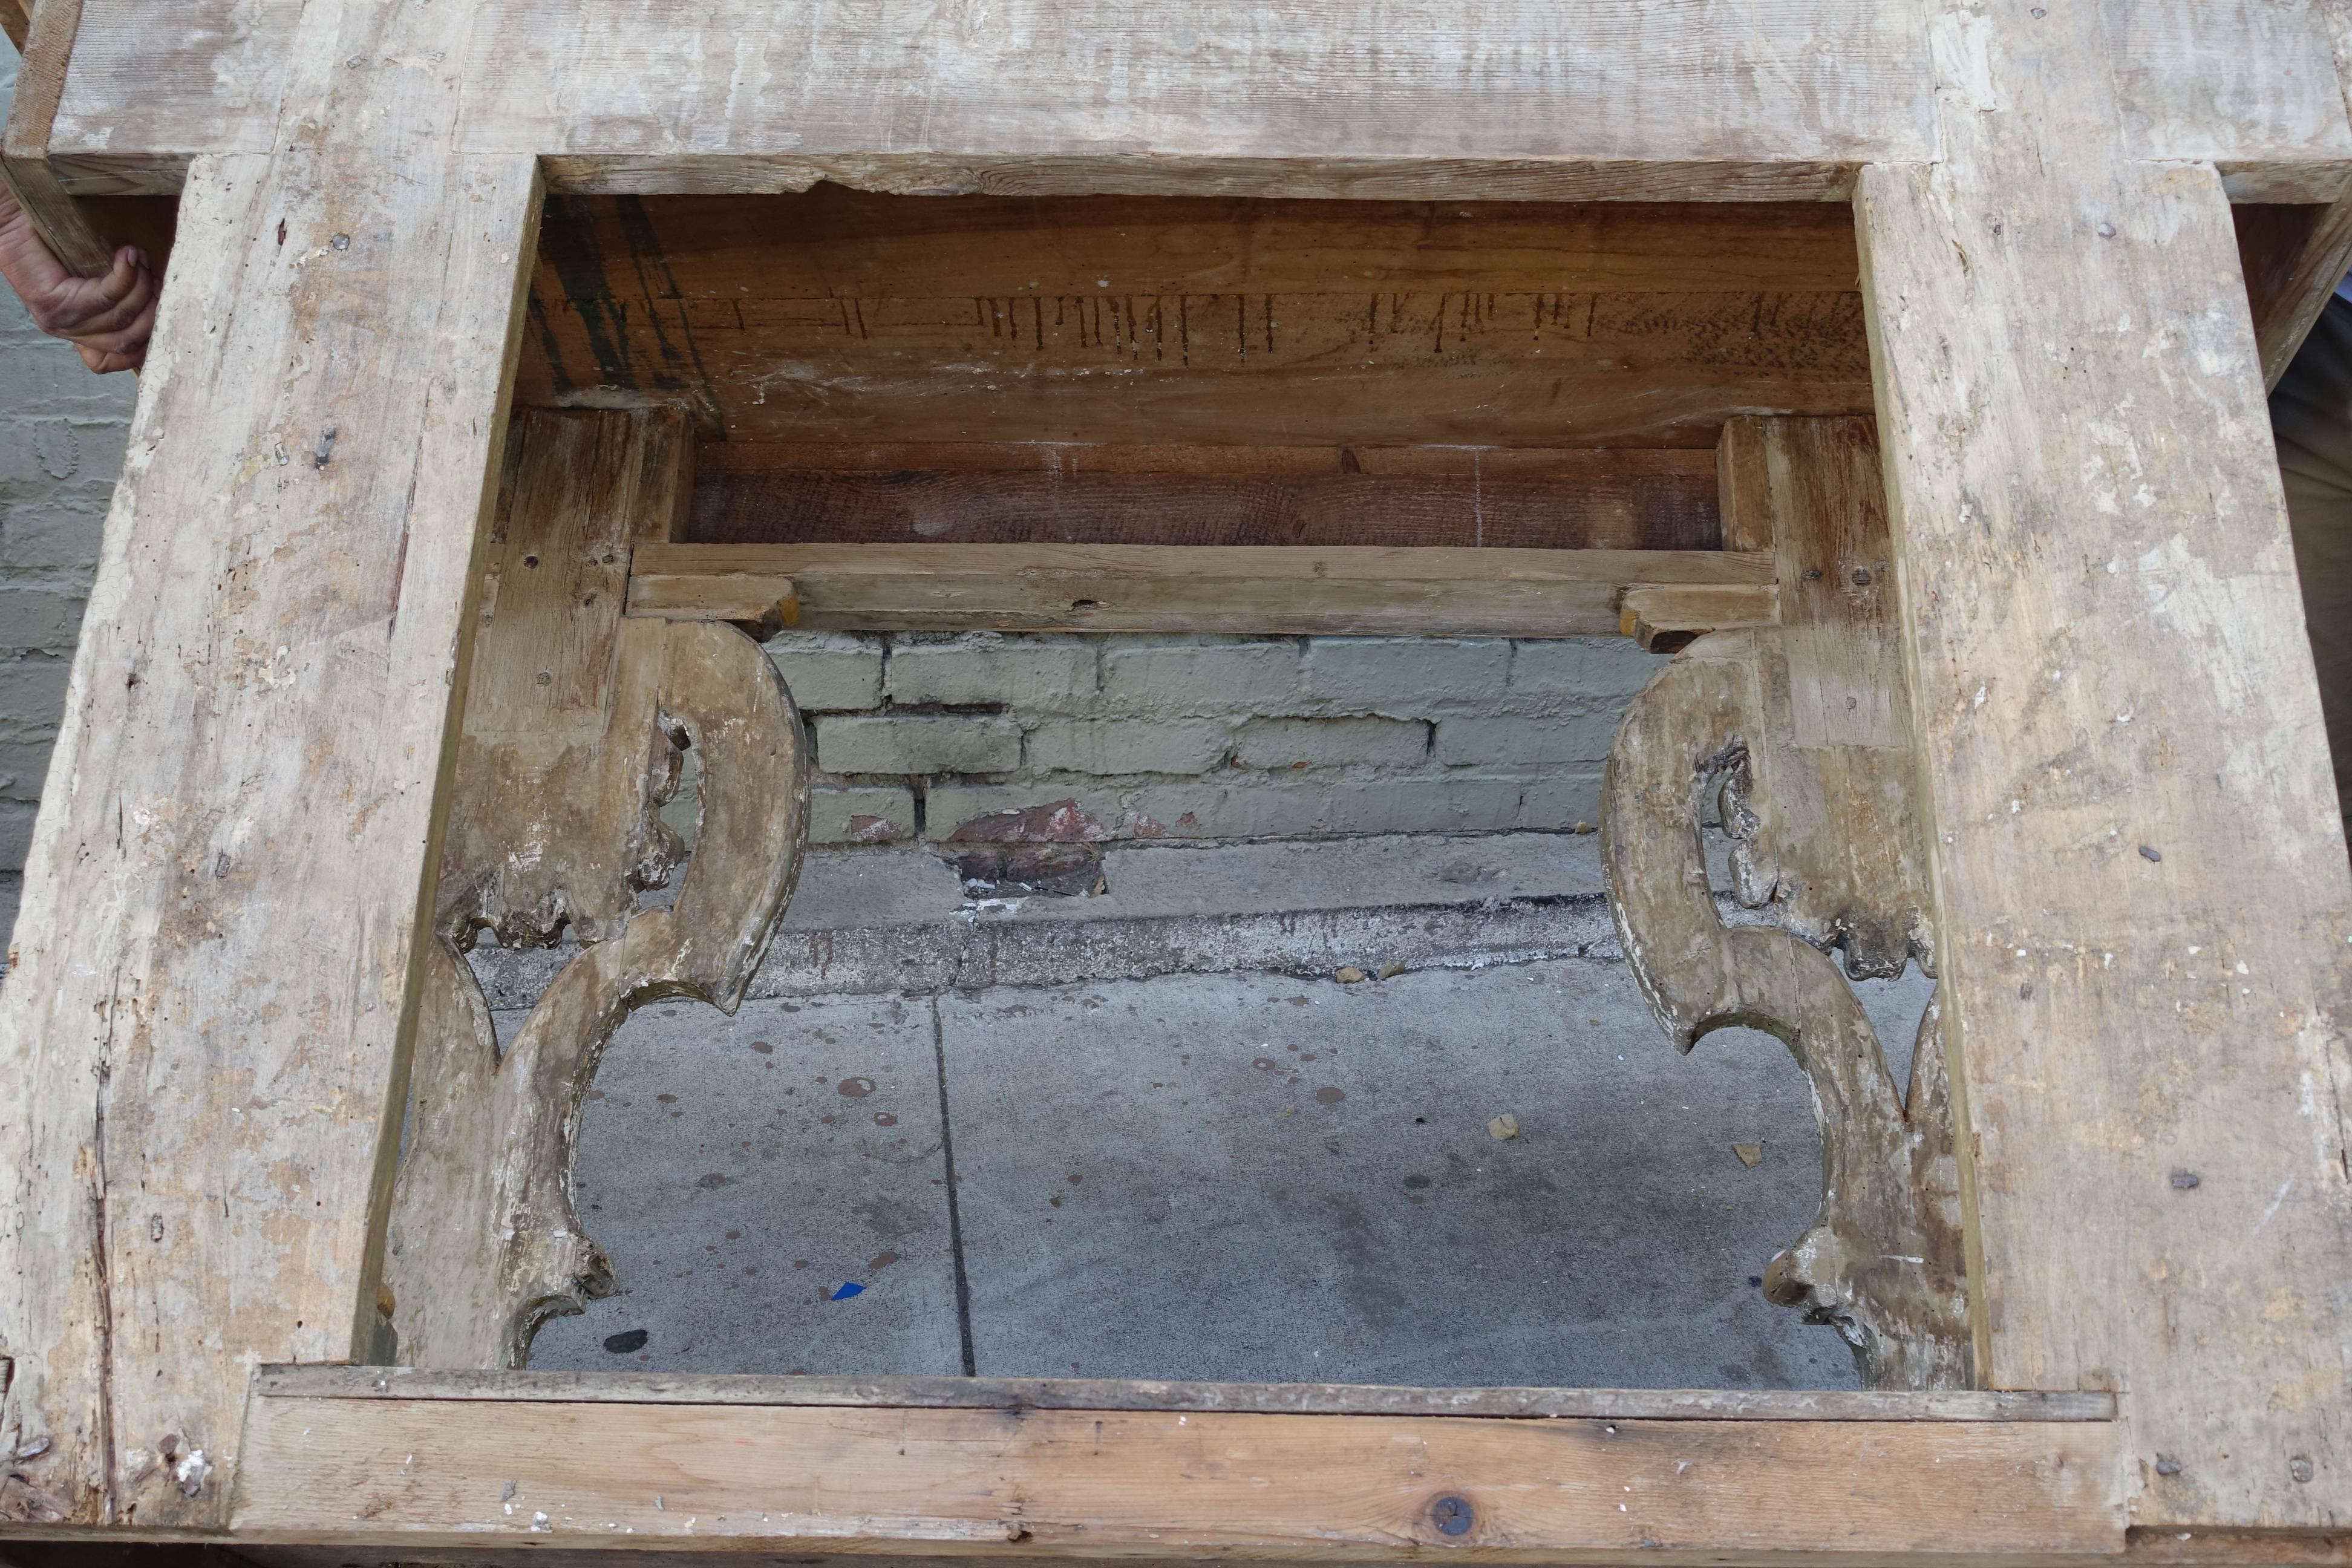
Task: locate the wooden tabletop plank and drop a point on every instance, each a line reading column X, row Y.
column 1617, row 99
column 1037, row 1482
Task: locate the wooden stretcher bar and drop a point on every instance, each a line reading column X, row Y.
column 1099, row 1481
column 1198, row 588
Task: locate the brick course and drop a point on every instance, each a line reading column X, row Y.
column 1129, row 745
column 917, row 743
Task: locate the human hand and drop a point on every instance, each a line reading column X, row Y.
column 108, row 320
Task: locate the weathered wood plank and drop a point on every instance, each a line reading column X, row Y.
column 486, row 1475
column 1123, row 1394
column 213, row 993
column 1508, row 100
column 1028, row 492
column 48, row 47
column 2140, row 876
column 2247, row 85
column 1112, row 587
column 173, row 79
column 1801, row 84
column 1357, row 368
column 841, row 317
column 835, row 243
column 1331, row 509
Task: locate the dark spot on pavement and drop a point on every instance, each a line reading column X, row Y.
column 627, row 1341
column 714, row 1180
column 1330, row 1096
column 856, row 1087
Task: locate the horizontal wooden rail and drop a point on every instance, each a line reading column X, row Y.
column 382, row 1458
column 1143, row 1393
column 1176, row 588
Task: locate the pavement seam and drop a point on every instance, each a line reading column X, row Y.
column 955, row 1210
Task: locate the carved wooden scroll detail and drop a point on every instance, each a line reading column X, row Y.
column 1807, row 726
column 575, row 722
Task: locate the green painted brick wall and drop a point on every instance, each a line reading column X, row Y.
column 61, row 435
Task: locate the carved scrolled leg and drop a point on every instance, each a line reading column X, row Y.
column 1806, row 726
column 554, row 825
column 1882, row 1261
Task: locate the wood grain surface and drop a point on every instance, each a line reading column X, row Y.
column 2142, row 890
column 487, row 1474
column 204, row 1028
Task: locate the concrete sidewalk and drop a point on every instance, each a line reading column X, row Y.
column 1234, row 1175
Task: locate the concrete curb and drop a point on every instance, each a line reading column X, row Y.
column 972, row 951
column 873, row 922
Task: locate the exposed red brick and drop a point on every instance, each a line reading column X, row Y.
column 1056, row 822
